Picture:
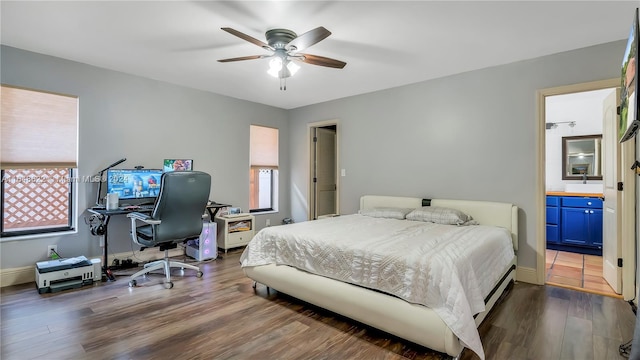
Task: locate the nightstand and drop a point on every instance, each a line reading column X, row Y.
column 235, row 231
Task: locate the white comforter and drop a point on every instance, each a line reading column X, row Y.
column 450, row 269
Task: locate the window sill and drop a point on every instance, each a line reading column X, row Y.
column 38, row 236
column 263, row 212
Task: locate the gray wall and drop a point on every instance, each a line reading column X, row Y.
column 467, row 136
column 145, row 121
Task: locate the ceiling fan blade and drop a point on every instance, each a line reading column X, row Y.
column 248, row 38
column 309, row 38
column 322, row 61
column 252, row 57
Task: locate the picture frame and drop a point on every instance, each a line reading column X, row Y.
column 177, row 165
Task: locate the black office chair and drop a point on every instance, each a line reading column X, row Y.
column 176, row 217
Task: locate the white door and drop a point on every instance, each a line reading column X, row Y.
column 326, row 172
column 611, row 214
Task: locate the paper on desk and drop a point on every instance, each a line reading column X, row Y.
column 73, row 260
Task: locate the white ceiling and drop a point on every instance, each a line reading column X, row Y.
column 384, row 43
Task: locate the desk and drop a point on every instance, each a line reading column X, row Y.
column 104, row 215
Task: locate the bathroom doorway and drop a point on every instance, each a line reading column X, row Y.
column 575, row 209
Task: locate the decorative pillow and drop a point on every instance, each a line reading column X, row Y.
column 441, row 215
column 386, row 212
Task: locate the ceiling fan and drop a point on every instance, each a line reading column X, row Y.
column 285, row 46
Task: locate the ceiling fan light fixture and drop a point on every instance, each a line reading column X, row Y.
column 285, row 46
column 279, row 68
column 293, row 67
column 275, row 65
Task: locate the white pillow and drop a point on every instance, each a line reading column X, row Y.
column 441, row 215
column 386, row 212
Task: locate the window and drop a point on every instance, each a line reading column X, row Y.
column 39, row 155
column 263, row 173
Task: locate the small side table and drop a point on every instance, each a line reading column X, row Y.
column 235, row 231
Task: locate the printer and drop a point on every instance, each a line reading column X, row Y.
column 63, row 274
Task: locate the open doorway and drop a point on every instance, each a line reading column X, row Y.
column 323, row 186
column 583, row 241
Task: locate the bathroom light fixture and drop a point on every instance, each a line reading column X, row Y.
column 553, row 125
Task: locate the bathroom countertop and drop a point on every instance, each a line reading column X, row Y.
column 563, row 193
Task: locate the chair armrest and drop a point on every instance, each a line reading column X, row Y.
column 143, row 217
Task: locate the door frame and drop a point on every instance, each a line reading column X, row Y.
column 311, row 203
column 541, row 94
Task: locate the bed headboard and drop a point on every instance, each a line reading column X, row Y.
column 485, row 212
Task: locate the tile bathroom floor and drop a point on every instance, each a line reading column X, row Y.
column 577, row 271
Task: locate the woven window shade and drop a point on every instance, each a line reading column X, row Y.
column 39, row 129
column 264, row 147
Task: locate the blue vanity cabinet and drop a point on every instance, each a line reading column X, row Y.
column 553, row 219
column 595, row 228
column 581, row 221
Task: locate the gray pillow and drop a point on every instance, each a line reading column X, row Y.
column 440, row 215
column 386, row 212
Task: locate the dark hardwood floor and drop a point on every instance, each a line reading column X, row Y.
column 221, row 317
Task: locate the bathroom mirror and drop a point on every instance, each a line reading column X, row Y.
column 582, row 157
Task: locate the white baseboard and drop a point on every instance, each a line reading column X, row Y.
column 528, row 275
column 17, row 276
column 26, row 274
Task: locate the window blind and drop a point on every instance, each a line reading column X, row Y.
column 264, row 147
column 38, row 129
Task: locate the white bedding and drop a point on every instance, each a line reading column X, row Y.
column 450, row 269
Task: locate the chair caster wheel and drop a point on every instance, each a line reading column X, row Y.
column 168, row 285
column 199, row 274
column 133, row 283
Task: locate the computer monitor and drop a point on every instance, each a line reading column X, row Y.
column 177, row 165
column 134, row 183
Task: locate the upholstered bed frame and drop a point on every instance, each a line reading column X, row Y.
column 412, row 322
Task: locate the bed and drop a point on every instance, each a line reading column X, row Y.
column 318, row 262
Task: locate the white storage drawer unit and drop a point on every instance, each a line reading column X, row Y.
column 235, row 231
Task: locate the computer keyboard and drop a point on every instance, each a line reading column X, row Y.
column 137, row 207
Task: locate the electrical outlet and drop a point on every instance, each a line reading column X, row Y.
column 52, row 251
column 268, row 222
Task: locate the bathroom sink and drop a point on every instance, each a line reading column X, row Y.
column 584, row 188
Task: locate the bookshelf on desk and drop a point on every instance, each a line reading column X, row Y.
column 234, row 231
